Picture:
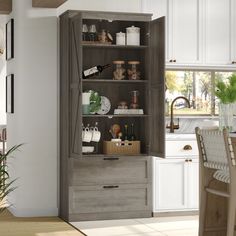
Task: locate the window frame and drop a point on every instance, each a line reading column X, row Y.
column 212, row 98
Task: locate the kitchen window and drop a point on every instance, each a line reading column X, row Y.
column 198, row 87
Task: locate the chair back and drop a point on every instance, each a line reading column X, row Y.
column 215, row 148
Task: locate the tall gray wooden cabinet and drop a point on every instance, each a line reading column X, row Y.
column 100, row 186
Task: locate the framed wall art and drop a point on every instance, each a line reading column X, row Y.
column 10, row 93
column 10, row 39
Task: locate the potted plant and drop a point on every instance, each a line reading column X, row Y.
column 226, row 93
column 5, row 182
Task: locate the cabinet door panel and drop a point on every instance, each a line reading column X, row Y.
column 233, row 32
column 184, row 18
column 193, row 184
column 101, row 198
column 156, row 87
column 170, row 185
column 75, row 88
column 217, row 31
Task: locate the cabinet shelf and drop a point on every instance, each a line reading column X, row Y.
column 118, row 155
column 114, row 81
column 84, row 45
column 114, row 116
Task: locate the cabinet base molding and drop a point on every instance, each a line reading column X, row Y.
column 175, row 213
column 109, row 215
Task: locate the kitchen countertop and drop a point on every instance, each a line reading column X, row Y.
column 174, row 137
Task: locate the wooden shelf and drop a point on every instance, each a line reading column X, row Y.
column 85, row 45
column 114, row 155
column 114, row 81
column 114, row 116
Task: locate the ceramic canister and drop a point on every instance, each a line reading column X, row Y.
column 133, row 35
column 120, row 38
column 86, row 102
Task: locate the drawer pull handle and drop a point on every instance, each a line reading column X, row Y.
column 186, row 160
column 187, row 147
column 111, row 186
column 190, row 160
column 111, row 158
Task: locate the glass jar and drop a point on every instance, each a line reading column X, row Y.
column 119, row 70
column 133, row 70
column 134, row 100
column 226, row 116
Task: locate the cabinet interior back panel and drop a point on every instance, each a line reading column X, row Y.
column 99, row 56
column 114, row 27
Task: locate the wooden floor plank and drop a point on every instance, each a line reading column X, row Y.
column 40, row 226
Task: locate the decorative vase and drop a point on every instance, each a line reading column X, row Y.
column 226, row 116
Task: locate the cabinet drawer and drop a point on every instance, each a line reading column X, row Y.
column 177, row 148
column 99, row 170
column 109, row 198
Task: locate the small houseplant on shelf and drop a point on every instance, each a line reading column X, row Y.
column 226, row 93
column 6, row 185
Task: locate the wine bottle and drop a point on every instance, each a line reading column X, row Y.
column 132, row 135
column 126, row 135
column 94, row 71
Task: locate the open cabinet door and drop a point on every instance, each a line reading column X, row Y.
column 76, row 87
column 157, row 88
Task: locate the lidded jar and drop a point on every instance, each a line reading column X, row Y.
column 133, row 70
column 119, row 70
column 133, row 36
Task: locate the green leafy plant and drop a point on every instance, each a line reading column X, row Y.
column 226, row 91
column 95, row 102
column 6, row 185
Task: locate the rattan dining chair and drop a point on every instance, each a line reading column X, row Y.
column 216, row 152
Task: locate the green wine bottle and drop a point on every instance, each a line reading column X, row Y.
column 132, row 135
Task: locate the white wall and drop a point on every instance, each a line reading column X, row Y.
column 2, row 77
column 35, row 121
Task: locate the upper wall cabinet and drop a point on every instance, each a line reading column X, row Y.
column 217, row 31
column 199, row 33
column 233, row 32
column 183, row 31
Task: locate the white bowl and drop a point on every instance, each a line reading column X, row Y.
column 87, row 149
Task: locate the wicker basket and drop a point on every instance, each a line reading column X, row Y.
column 124, row 147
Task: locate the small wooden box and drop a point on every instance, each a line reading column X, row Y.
column 123, row 147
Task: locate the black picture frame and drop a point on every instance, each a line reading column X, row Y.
column 10, row 39
column 10, row 93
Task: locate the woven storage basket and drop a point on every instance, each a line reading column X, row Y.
column 123, row 147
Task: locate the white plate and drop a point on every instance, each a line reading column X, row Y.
column 105, row 106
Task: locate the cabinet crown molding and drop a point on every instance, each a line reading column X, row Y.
column 47, row 3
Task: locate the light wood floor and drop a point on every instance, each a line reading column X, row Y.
column 50, row 226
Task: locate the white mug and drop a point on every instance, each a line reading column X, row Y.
column 96, row 135
column 87, row 135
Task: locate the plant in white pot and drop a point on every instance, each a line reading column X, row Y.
column 6, row 184
column 226, row 93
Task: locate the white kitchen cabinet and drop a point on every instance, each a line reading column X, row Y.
column 217, row 31
column 170, row 183
column 199, row 33
column 233, row 32
column 182, row 28
column 176, row 184
column 183, row 32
